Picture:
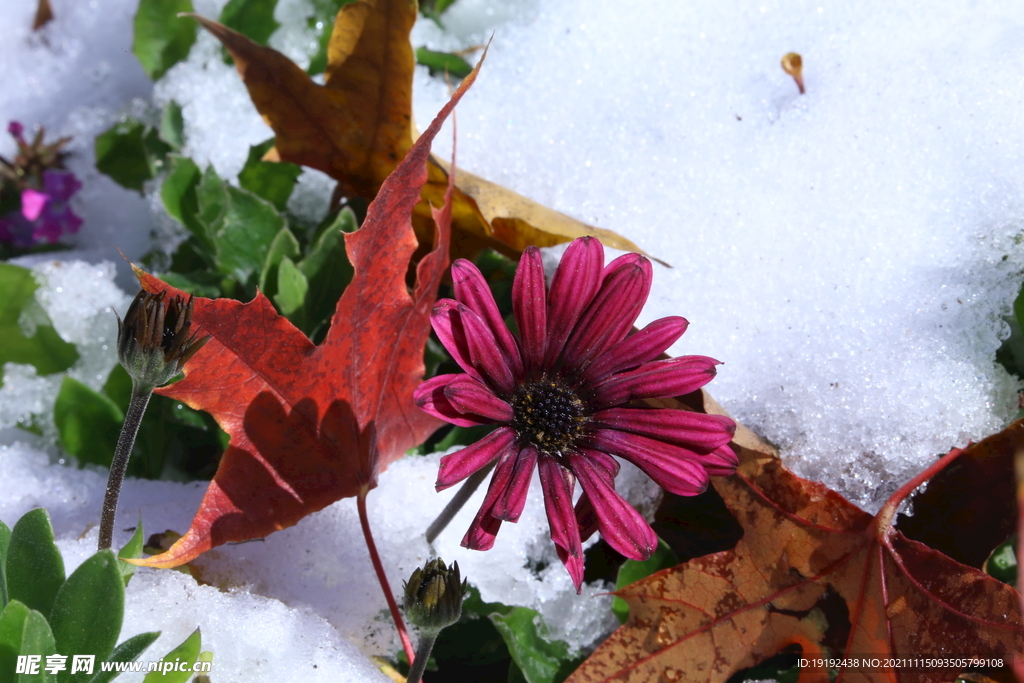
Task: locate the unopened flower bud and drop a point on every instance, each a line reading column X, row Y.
column 153, row 341
column 433, row 596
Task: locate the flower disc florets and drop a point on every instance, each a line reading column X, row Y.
column 548, row 415
column 153, row 341
column 567, row 395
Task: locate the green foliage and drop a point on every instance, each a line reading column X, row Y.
column 5, row 541
column 443, row 63
column 274, row 181
column 433, row 9
column 88, row 611
column 161, row 38
column 88, row 422
column 252, row 18
column 42, row 347
column 33, row 565
column 539, row 659
column 132, row 550
column 172, row 126
column 188, row 652
column 632, row 571
column 174, row 441
column 47, row 614
column 131, row 153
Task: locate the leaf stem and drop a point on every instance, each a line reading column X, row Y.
column 883, row 520
column 119, row 465
column 423, row 651
column 364, row 521
column 468, row 488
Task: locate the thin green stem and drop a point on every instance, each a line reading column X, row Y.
column 378, row 567
column 469, row 487
column 118, row 467
column 423, row 651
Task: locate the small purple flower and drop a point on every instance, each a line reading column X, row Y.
column 57, row 217
column 568, row 394
column 16, row 130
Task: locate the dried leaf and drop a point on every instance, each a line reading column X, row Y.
column 309, row 424
column 44, row 15
column 358, row 126
column 816, row 574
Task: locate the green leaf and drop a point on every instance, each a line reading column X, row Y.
column 632, row 571
column 291, row 291
column 132, row 550
column 188, row 652
column 284, row 245
column 252, row 18
column 35, row 569
column 5, row 540
column 178, row 193
column 130, row 153
column 327, row 270
column 128, row 651
column 172, row 126
column 272, row 180
column 12, row 627
column 37, row 639
column 241, row 225
column 541, row 660
column 88, row 423
column 88, row 611
column 443, row 63
column 44, row 349
column 161, row 38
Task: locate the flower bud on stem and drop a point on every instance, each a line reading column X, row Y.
column 153, row 344
column 433, row 601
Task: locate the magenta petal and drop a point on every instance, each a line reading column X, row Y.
column 673, row 468
column 430, row 397
column 530, row 307
column 482, row 532
column 638, row 348
column 680, row 427
column 485, row 526
column 483, row 351
column 447, row 324
column 471, row 289
column 458, row 465
column 657, row 379
column 32, row 203
column 509, row 505
column 470, row 397
column 721, row 462
column 576, row 282
column 586, row 518
column 610, row 316
column 557, row 483
column 623, row 527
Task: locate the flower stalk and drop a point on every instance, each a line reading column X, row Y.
column 153, row 344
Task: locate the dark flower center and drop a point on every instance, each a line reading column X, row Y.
column 548, row 416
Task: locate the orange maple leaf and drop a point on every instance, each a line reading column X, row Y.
column 814, row 574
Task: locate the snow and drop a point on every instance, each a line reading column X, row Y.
column 849, row 255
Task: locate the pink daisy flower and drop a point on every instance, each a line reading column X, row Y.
column 567, row 396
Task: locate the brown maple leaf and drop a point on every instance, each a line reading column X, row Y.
column 310, row 424
column 814, row 574
column 358, row 126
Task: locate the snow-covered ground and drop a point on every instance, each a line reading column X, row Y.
column 847, row 253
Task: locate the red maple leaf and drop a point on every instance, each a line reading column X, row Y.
column 310, row 424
